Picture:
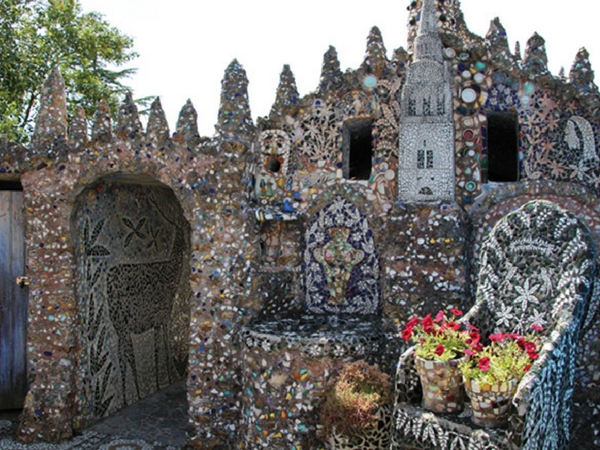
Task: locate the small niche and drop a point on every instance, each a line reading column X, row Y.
column 273, row 164
column 503, row 146
column 10, row 185
column 358, row 149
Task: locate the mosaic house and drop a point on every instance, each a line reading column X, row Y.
column 257, row 262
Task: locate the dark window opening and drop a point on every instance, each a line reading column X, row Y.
column 503, row 146
column 427, row 106
column 10, row 185
column 273, row 165
column 441, row 105
column 358, row 149
column 420, row 159
column 430, row 159
column 412, row 107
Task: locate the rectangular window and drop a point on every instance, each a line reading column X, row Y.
column 412, row 107
column 358, row 149
column 430, row 159
column 421, row 159
column 427, row 106
column 503, row 146
column 441, row 106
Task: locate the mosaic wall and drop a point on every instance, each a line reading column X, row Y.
column 252, row 195
column 133, row 244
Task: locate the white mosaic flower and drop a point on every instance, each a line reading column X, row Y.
column 505, row 316
column 538, row 318
column 526, row 294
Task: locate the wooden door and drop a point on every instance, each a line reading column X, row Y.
column 13, row 301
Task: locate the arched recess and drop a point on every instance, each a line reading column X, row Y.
column 132, row 270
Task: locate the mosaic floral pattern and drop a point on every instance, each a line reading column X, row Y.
column 539, row 263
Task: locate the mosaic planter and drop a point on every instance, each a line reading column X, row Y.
column 490, row 402
column 374, row 438
column 442, row 384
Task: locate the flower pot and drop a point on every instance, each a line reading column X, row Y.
column 442, row 384
column 490, row 402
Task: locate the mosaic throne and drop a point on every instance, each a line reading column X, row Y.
column 536, row 267
column 342, row 288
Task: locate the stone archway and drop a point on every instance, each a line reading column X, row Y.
column 132, row 252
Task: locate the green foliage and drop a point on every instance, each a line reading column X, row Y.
column 37, row 35
column 507, row 357
column 351, row 404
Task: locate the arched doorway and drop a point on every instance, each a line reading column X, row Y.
column 132, row 252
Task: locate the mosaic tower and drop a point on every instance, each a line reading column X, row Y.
column 426, row 172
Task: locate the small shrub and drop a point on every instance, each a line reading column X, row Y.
column 352, row 402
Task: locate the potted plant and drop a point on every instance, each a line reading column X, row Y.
column 440, row 346
column 492, row 374
column 357, row 407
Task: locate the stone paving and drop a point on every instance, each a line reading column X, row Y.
column 159, row 422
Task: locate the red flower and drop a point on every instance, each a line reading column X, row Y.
column 456, row 312
column 469, row 352
column 439, row 350
column 484, row 363
column 530, row 347
column 527, row 367
column 427, row 324
column 498, row 337
column 533, row 355
column 472, row 328
column 407, row 333
column 451, row 325
column 412, row 322
column 439, row 316
column 536, row 327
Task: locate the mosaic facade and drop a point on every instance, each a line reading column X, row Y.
column 301, row 251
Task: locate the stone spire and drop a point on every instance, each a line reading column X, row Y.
column 129, row 125
column 286, row 99
column 535, row 62
column 102, row 123
column 78, row 132
column 158, row 128
column 51, row 123
column 187, row 125
column 375, row 61
column 234, row 112
column 581, row 75
column 331, row 75
column 427, row 43
column 498, row 44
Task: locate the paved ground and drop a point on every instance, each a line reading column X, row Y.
column 159, row 422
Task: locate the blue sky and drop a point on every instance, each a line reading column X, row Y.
column 185, row 45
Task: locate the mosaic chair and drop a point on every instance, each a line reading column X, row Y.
column 536, row 267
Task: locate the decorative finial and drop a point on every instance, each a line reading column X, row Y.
column 535, row 62
column 129, row 125
column 286, row 99
column 375, row 61
column 331, row 75
column 187, row 126
column 234, row 112
column 51, row 123
column 158, row 128
column 102, row 123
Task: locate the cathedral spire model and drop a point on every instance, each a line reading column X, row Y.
column 426, row 157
